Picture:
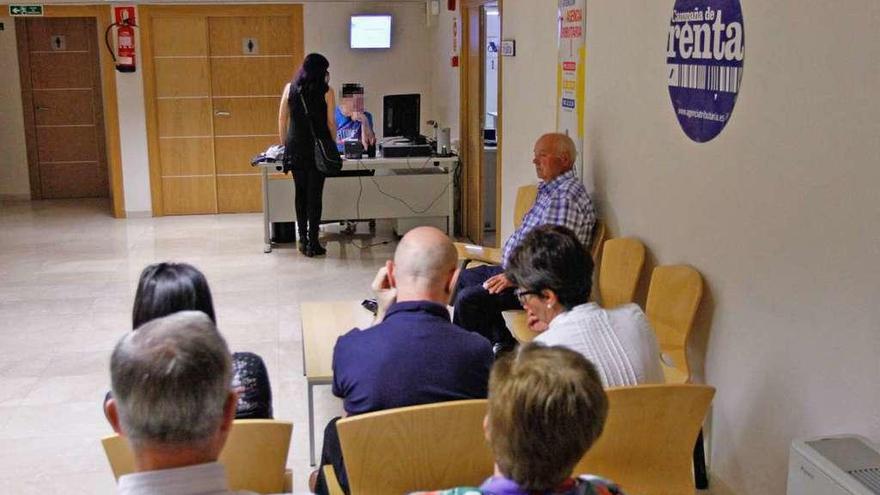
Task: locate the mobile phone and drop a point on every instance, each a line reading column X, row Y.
column 370, row 305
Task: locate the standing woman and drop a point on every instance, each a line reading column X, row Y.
column 309, row 86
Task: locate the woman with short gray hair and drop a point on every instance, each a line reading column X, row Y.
column 554, row 271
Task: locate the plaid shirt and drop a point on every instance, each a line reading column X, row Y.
column 562, row 201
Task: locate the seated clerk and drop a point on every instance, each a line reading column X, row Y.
column 352, row 122
column 412, row 354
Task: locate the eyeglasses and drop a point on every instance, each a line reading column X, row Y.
column 521, row 294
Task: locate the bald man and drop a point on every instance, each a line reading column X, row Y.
column 484, row 292
column 413, row 354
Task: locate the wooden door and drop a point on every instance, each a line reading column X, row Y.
column 251, row 60
column 213, row 80
column 183, row 114
column 61, row 92
column 472, row 114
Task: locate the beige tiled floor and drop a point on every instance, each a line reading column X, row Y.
column 67, row 278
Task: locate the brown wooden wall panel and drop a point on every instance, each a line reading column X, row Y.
column 64, row 107
column 179, row 36
column 60, row 70
column 73, row 180
column 66, row 144
column 184, row 117
column 182, row 77
column 246, row 116
column 233, row 154
column 191, row 156
column 239, row 194
column 188, row 195
column 74, row 29
column 235, row 76
column 274, row 35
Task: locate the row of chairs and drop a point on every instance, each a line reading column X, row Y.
column 674, row 292
column 645, row 447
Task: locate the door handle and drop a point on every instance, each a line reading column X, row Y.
column 221, row 113
column 41, row 109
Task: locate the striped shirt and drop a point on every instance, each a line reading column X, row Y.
column 562, row 201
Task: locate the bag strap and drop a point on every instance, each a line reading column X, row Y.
column 308, row 115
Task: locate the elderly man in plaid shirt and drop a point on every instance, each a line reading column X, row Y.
column 484, row 292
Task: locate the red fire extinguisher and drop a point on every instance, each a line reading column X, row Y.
column 125, row 51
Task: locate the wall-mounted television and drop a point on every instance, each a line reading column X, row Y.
column 371, row 31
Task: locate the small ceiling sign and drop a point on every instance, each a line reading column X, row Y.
column 26, row 10
column 508, row 48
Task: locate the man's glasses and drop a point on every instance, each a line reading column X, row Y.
column 522, row 294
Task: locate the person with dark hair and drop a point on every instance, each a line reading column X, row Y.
column 307, row 98
column 553, row 272
column 546, row 409
column 168, row 288
column 485, row 291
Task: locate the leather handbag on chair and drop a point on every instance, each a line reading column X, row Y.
column 327, row 157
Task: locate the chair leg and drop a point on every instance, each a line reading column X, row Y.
column 701, row 477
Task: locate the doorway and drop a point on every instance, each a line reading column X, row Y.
column 63, row 106
column 481, row 122
column 491, row 44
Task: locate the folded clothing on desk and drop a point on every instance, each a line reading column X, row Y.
column 273, row 154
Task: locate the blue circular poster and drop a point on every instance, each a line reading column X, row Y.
column 705, row 48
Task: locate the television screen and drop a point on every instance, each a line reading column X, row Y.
column 371, row 31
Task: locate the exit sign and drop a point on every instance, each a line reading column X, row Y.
column 25, row 10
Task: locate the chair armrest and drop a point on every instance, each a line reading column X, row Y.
column 517, row 321
column 288, row 481
column 472, row 252
column 332, row 483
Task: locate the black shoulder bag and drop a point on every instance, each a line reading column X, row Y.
column 327, row 157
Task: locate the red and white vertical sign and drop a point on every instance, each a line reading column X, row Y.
column 571, row 72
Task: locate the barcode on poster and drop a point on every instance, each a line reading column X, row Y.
column 706, row 77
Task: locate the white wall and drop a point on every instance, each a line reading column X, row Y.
column 133, row 140
column 528, row 94
column 444, row 78
column 14, row 182
column 779, row 213
column 404, row 68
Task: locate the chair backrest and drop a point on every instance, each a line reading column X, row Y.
column 622, row 262
column 416, row 448
column 255, row 455
column 525, row 198
column 673, row 298
column 598, row 239
column 649, row 438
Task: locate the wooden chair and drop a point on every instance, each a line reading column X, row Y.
column 673, row 298
column 649, row 437
column 255, row 455
column 467, row 253
column 622, row 262
column 415, row 448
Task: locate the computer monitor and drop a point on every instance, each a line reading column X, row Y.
column 401, row 115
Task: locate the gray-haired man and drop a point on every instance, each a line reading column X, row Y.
column 173, row 401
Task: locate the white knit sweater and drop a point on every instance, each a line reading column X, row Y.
column 619, row 342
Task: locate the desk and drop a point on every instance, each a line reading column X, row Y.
column 322, row 324
column 412, row 188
